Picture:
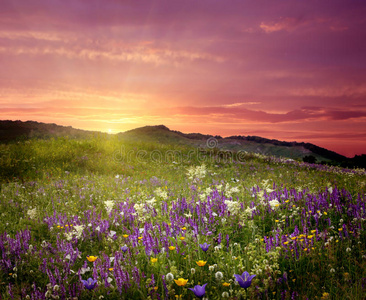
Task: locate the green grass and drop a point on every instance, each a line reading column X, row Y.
column 48, row 185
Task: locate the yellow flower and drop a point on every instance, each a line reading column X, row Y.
column 153, row 260
column 184, row 228
column 226, row 284
column 182, row 238
column 125, row 236
column 171, row 247
column 287, row 201
column 286, row 243
column 155, row 288
column 91, row 258
column 293, row 238
column 201, row 263
column 181, row 281
column 325, row 213
column 140, row 237
column 276, row 221
column 313, row 231
column 110, row 269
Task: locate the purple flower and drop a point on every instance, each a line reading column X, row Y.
column 199, row 291
column 244, row 280
column 89, row 284
column 205, row 246
column 124, row 248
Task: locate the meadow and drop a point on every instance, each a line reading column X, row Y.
column 105, row 218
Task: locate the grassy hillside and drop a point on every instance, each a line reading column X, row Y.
column 11, row 131
column 132, row 217
column 259, row 145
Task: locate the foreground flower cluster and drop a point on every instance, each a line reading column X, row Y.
column 211, row 241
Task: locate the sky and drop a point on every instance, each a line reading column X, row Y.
column 292, row 70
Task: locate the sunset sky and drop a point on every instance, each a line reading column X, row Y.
column 293, row 70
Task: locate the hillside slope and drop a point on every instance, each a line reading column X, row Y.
column 260, row 145
column 18, row 130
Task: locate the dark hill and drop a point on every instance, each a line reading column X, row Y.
column 16, row 130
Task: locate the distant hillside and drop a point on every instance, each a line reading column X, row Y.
column 255, row 144
column 15, row 130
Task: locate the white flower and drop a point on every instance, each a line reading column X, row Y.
column 151, row 202
column 211, row 268
column 193, row 270
column 189, row 215
column 68, row 236
column 139, row 208
column 274, row 203
column 230, row 191
column 225, row 295
column 249, row 211
column 202, row 197
column 84, row 270
column 78, row 230
column 169, row 277
column 32, row 213
column 233, row 206
column 219, row 275
column 332, row 270
column 198, row 172
column 348, row 250
column 208, row 191
column 109, row 205
column 161, row 193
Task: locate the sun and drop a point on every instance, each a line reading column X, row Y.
column 109, row 130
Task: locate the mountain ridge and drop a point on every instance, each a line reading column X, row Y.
column 14, row 130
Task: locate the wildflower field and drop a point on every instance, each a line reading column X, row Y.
column 105, row 218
